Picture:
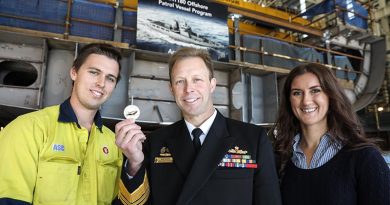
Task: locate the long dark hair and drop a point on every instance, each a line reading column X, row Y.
column 343, row 123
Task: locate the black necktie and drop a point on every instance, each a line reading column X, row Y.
column 196, row 141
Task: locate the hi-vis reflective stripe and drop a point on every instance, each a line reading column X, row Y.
column 138, row 196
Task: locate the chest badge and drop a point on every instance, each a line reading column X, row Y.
column 58, row 147
column 164, row 157
column 105, row 150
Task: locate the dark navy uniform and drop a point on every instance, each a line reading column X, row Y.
column 234, row 166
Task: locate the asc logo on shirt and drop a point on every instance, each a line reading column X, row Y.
column 58, row 147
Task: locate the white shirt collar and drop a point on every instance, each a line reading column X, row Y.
column 205, row 127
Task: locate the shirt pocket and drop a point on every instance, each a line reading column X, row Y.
column 57, row 181
column 107, row 180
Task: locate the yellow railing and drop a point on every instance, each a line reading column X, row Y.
column 264, row 10
column 127, row 4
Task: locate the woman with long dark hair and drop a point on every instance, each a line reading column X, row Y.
column 324, row 154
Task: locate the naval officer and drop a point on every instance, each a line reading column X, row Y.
column 204, row 158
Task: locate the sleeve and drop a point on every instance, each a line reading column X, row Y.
column 19, row 147
column 266, row 183
column 135, row 190
column 373, row 178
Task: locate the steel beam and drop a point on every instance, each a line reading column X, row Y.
column 277, row 22
column 382, row 12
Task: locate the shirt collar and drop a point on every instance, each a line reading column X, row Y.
column 67, row 115
column 324, row 139
column 326, row 150
column 205, row 126
column 296, row 140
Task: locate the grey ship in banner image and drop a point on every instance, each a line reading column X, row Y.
column 182, row 32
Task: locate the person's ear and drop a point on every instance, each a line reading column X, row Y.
column 73, row 73
column 170, row 87
column 213, row 83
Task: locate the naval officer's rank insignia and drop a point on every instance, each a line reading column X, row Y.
column 238, row 158
column 164, row 157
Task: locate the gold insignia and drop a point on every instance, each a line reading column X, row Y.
column 237, row 150
column 164, row 152
column 160, row 160
column 165, row 156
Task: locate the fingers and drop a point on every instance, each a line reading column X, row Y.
column 123, row 127
column 129, row 136
column 123, row 123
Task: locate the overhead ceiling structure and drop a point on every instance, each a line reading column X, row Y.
column 366, row 46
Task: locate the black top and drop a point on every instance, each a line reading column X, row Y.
column 350, row 177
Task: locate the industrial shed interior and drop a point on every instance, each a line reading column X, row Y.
column 266, row 39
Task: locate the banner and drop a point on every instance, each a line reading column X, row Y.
column 166, row 25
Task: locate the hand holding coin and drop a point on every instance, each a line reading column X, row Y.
column 129, row 138
column 131, row 111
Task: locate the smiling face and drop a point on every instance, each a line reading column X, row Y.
column 192, row 88
column 93, row 82
column 308, row 101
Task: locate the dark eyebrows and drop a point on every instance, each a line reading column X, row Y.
column 315, row 86
column 94, row 68
column 312, row 87
column 295, row 89
column 99, row 70
column 113, row 76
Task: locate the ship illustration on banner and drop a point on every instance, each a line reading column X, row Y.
column 182, row 32
column 164, row 28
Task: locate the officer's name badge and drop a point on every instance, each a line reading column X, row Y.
column 164, row 157
column 238, row 158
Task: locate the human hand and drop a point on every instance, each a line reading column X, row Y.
column 129, row 138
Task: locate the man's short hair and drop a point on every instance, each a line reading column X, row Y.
column 188, row 52
column 99, row 49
